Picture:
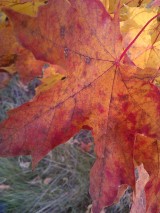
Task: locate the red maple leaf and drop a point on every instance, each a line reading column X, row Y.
column 103, row 90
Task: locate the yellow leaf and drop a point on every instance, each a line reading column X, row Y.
column 28, row 7
column 145, row 51
column 110, row 5
column 106, row 4
column 50, row 77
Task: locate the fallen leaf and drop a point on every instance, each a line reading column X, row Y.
column 16, row 59
column 103, row 90
column 139, row 198
column 4, row 187
column 147, row 152
column 111, row 5
column 8, row 45
column 146, row 50
column 28, row 7
column 47, row 180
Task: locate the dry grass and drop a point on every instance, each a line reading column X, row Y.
column 59, row 184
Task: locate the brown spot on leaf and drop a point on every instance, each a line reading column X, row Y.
column 87, row 60
column 62, row 31
column 66, row 52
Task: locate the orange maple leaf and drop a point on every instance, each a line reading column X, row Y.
column 103, row 90
column 15, row 58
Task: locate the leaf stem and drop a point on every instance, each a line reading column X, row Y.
column 130, row 44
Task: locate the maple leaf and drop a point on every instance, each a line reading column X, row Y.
column 143, row 153
column 111, row 5
column 101, row 89
column 14, row 58
column 139, row 198
column 28, row 7
column 8, row 44
column 145, row 51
